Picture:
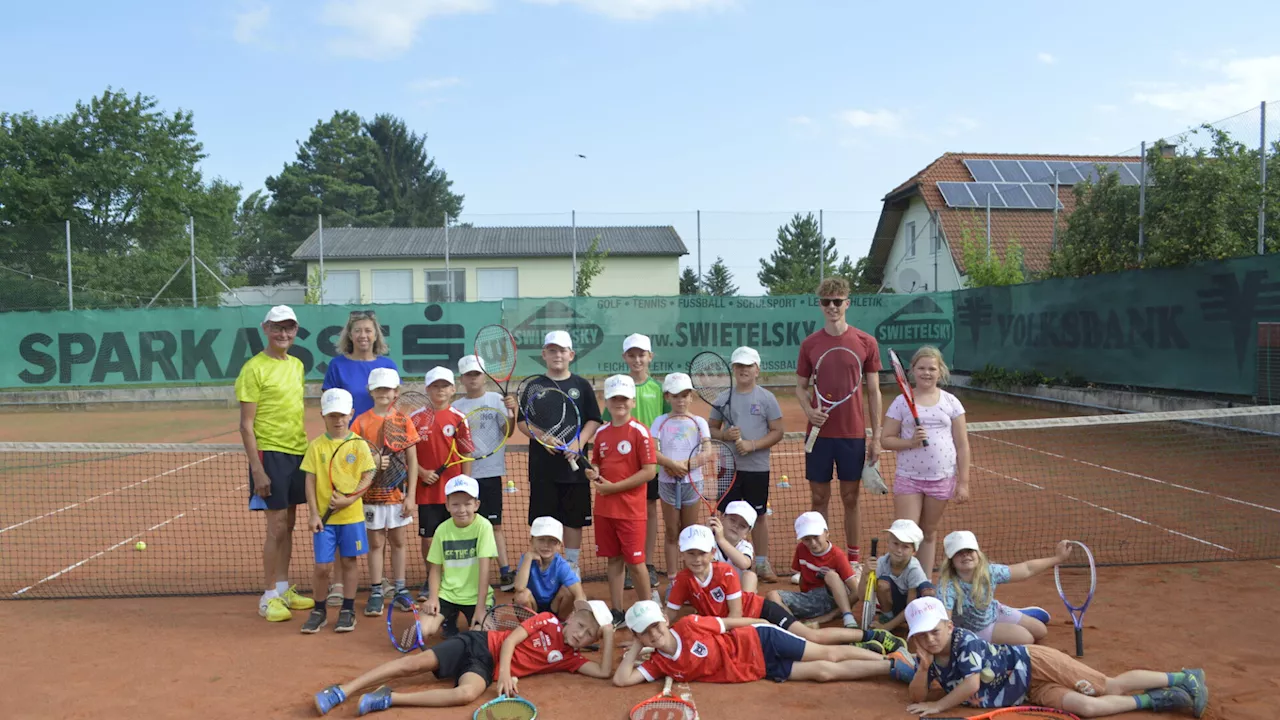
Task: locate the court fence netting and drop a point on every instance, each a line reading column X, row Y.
column 1143, row 488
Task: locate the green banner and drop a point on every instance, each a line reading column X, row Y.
column 1190, row 328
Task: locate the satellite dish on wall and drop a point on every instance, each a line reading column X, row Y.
column 908, row 280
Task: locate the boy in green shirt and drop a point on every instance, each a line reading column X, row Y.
column 637, row 351
column 466, row 542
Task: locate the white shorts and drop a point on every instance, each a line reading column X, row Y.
column 385, row 517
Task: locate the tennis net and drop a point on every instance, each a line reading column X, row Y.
column 1187, row 486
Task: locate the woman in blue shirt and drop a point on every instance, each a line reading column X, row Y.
column 361, row 348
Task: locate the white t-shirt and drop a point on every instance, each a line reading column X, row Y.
column 496, row 464
column 745, row 547
column 677, row 440
column 937, row 461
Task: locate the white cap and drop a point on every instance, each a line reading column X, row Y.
column 436, row 374
column 619, row 385
column 547, row 527
column 745, row 356
column 907, row 531
column 280, row 313
column 924, row 614
column 637, row 341
column 336, row 400
column 676, row 383
column 643, row 615
column 697, row 537
column 470, row 363
column 742, row 509
column 810, row 523
column 384, row 378
column 599, row 611
column 463, row 483
column 558, row 337
column 959, row 540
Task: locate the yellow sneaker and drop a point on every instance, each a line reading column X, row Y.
column 294, row 601
column 275, row 610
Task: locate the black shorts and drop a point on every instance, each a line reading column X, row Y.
column 429, row 518
column 288, row 482
column 846, row 455
column 570, row 503
column 450, row 613
column 491, row 499
column 776, row 614
column 781, row 649
column 751, row 486
column 466, row 652
column 652, row 492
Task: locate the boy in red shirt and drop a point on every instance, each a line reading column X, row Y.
column 826, row 577
column 714, row 590
column 625, row 460
column 439, row 425
column 734, row 650
column 475, row 658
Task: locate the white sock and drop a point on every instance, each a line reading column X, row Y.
column 282, row 587
column 267, row 596
column 570, row 554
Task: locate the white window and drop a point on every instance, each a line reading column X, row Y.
column 341, row 287
column 440, row 289
column 497, row 283
column 911, row 239
column 392, row 286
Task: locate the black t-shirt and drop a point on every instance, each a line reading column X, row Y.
column 543, row 464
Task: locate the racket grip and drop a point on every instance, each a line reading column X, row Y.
column 573, row 461
column 1079, row 642
column 924, row 442
column 813, row 437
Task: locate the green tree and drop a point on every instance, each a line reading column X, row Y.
column 983, row 270
column 719, row 281
column 863, row 278
column 589, row 266
column 408, row 181
column 793, row 269
column 690, row 283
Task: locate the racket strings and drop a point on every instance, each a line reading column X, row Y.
column 719, row 470
column 662, row 709
column 507, row 709
column 506, row 617
column 836, row 375
column 497, row 351
column 552, row 412
column 488, row 431
column 711, row 376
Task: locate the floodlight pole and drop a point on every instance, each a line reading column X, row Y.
column 191, row 232
column 989, row 224
column 822, row 248
column 573, row 239
column 448, row 276
column 699, row 246
column 1142, row 202
column 71, row 298
column 320, row 237
column 1262, row 202
column 1053, row 243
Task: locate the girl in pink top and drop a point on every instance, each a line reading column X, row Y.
column 928, row 477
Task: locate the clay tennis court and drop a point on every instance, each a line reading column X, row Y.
column 213, row 657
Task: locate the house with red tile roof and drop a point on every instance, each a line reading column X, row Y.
column 989, row 199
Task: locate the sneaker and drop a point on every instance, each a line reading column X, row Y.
column 619, row 619
column 507, row 581
column 379, row 699
column 1038, row 613
column 1197, row 688
column 274, row 610
column 654, row 596
column 890, row 642
column 627, row 583
column 1171, row 698
column 373, row 608
column 403, row 600
column 294, row 601
column 902, row 666
column 872, row 645
column 329, row 698
column 346, row 621
column 795, row 579
column 653, row 575
column 764, row 572
column 425, row 592
column 316, row 620
column 334, row 599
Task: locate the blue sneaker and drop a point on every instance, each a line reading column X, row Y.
column 403, row 601
column 1196, row 687
column 902, row 665
column 1038, row 613
column 379, row 699
column 329, row 698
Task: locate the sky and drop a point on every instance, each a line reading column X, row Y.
column 748, row 110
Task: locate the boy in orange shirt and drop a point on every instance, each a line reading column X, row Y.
column 439, row 425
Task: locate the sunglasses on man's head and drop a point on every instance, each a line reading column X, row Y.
column 827, row 302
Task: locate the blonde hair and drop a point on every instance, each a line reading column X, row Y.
column 833, row 286
column 346, row 346
column 929, row 351
column 983, row 589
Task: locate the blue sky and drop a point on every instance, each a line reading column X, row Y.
column 749, row 110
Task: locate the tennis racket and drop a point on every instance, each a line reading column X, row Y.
column 719, row 472
column 393, row 440
column 403, row 628
column 496, row 349
column 350, row 464
column 554, row 416
column 506, row 707
column 869, row 591
column 664, row 707
column 482, row 433
column 905, row 387
column 836, row 378
column 1076, row 579
column 1020, row 711
column 505, row 617
column 712, row 378
column 676, row 437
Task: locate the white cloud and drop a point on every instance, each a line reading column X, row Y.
column 250, row 24
column 1046, row 58
column 883, row 121
column 803, row 120
column 429, row 84
column 379, row 29
column 1238, row 85
column 640, row 9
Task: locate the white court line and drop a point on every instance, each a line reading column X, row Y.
column 100, row 553
column 74, row 505
column 1138, row 476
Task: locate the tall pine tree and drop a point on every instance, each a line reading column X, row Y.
column 689, row 282
column 719, row 281
column 792, row 269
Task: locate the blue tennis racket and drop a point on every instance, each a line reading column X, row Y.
column 403, row 628
column 554, row 415
column 1077, row 578
column 506, row 707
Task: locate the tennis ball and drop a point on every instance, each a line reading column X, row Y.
column 140, row 546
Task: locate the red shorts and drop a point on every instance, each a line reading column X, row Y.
column 616, row 537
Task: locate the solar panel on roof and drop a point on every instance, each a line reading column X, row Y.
column 1129, row 173
column 986, row 193
column 1037, row 171
column 1066, row 172
column 1011, row 170
column 956, row 194
column 1042, row 196
column 983, row 170
column 1088, row 171
column 1014, row 196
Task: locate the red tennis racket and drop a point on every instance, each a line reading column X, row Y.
column 718, row 462
column 836, row 378
column 1021, row 711
column 664, row 707
column 495, row 348
column 900, row 375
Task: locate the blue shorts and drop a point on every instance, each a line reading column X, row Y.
column 781, row 649
column 348, row 541
column 900, row 598
column 847, row 455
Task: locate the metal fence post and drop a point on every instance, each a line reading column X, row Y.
column 573, row 239
column 1262, row 201
column 320, row 237
column 1142, row 202
column 71, row 297
column 191, row 232
column 822, row 247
